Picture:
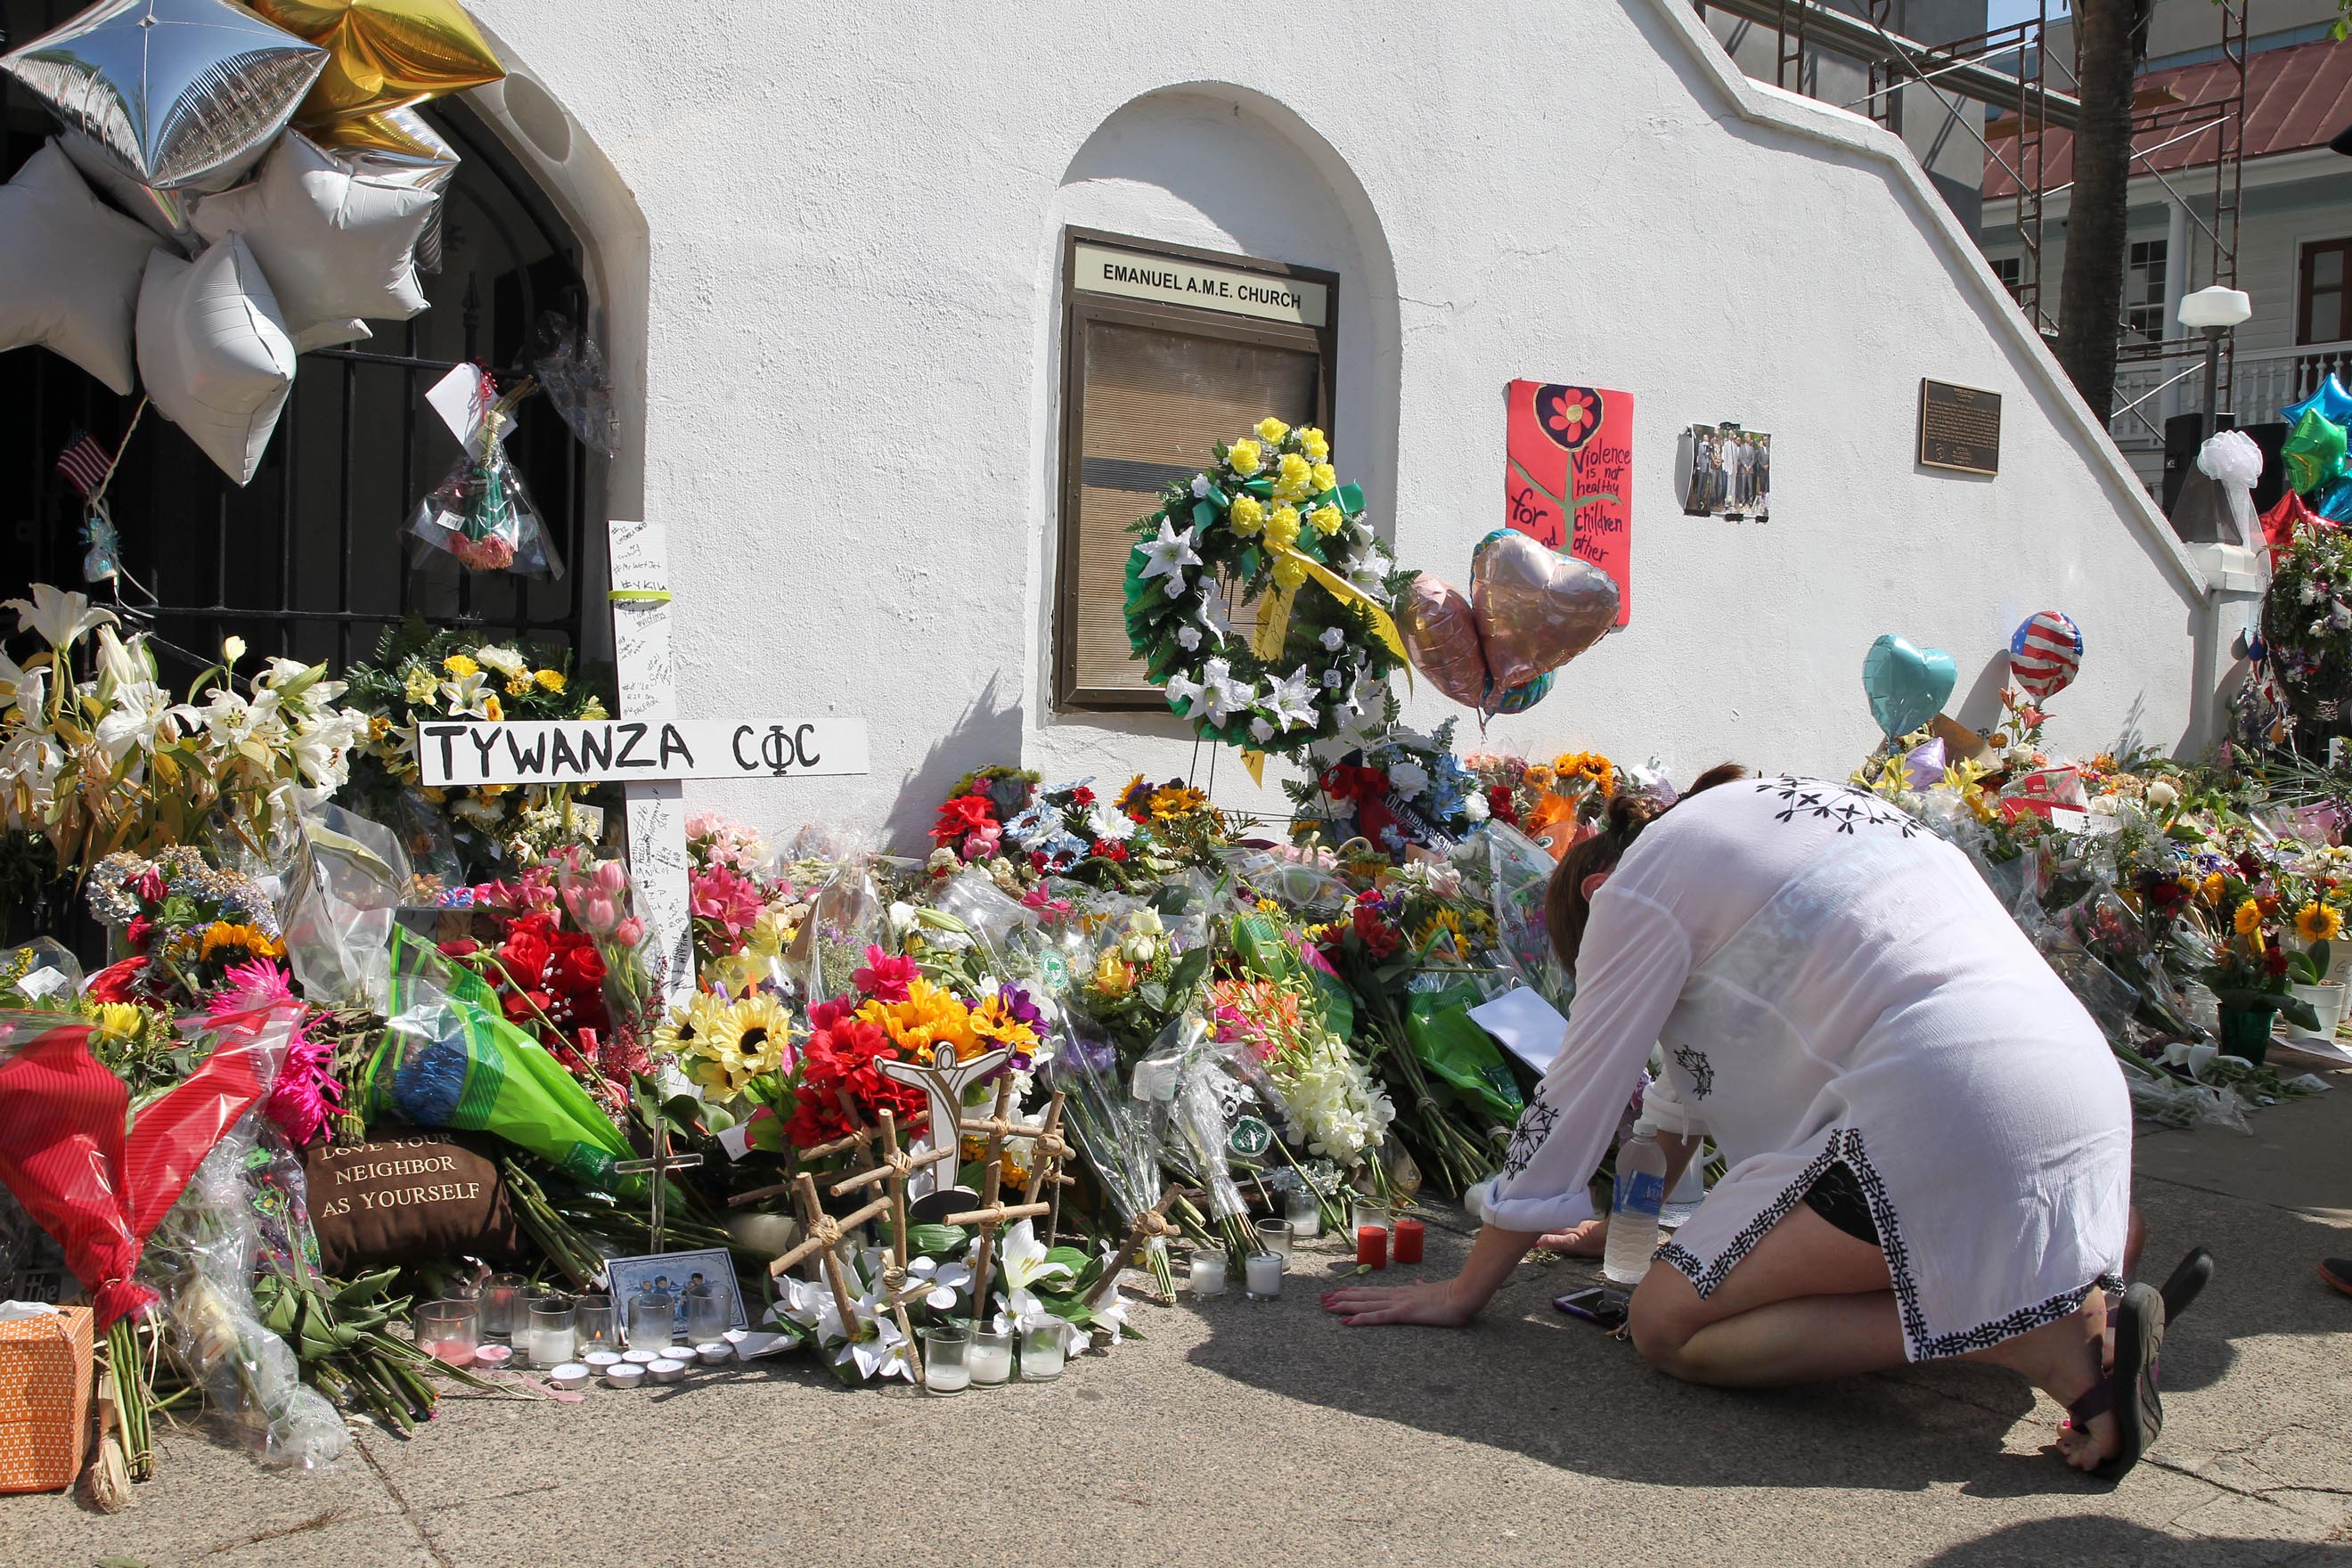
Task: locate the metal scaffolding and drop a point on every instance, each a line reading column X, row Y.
column 2008, row 70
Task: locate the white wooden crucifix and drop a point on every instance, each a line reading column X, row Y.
column 943, row 1080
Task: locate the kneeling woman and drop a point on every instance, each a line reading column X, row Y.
column 1929, row 1143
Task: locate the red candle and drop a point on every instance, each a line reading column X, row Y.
column 1409, row 1236
column 1371, row 1246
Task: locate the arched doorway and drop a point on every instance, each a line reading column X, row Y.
column 309, row 560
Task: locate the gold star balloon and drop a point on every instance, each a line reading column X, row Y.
column 384, row 54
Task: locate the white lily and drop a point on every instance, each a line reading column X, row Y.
column 59, row 615
column 1168, row 555
column 24, row 688
column 1022, row 1263
column 946, row 1276
column 1182, row 688
column 141, row 718
column 464, row 695
column 1291, row 701
column 1111, row 1313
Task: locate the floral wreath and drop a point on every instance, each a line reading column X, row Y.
column 1270, row 525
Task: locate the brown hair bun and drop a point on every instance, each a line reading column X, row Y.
column 1565, row 906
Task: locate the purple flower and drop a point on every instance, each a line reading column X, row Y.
column 1017, row 1005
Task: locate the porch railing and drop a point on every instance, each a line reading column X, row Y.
column 2265, row 381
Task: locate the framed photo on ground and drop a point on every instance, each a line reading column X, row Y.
column 675, row 1272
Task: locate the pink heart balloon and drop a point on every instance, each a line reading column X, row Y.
column 1535, row 609
column 1441, row 634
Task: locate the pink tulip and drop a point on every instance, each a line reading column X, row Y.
column 610, row 878
column 631, row 932
column 597, row 914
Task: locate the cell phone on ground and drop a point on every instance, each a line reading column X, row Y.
column 1599, row 1306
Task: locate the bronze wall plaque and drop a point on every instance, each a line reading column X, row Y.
column 1959, row 428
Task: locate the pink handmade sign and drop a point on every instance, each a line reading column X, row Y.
column 1568, row 476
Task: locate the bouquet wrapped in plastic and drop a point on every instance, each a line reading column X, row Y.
column 1114, row 1132
column 480, row 511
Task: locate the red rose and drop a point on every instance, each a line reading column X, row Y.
column 581, row 968
column 526, row 955
column 462, row 947
column 1500, row 807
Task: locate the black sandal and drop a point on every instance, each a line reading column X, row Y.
column 2130, row 1392
column 2188, row 1280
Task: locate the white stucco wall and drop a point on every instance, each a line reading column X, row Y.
column 836, row 307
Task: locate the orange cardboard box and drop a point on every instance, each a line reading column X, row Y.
column 47, row 1375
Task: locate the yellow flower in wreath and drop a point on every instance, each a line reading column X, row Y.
column 1326, row 478
column 1289, row 572
column 458, row 665
column 1315, row 444
column 1247, row 517
column 2317, row 922
column 550, row 679
column 2249, row 917
column 1271, row 430
column 1292, row 476
column 519, row 686
column 1243, row 457
column 419, row 685
column 492, row 710
column 1327, row 520
column 1282, row 527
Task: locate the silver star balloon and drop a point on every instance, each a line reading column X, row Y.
column 174, row 92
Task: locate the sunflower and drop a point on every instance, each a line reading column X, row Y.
column 1445, row 924
column 741, row 1043
column 228, row 944
column 1596, row 770
column 994, row 1023
column 2213, row 887
column 929, row 1017
column 2317, row 922
column 676, row 1034
column 2249, row 917
column 1176, row 800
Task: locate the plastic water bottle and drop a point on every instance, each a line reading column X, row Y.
column 1640, row 1193
column 1688, row 1193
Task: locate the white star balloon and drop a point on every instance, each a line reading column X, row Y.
column 70, row 268
column 175, row 92
column 336, row 243
column 215, row 352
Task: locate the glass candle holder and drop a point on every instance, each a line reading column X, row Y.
column 653, row 1319
column 548, row 1336
column 706, row 1313
column 1208, row 1277
column 1303, row 1212
column 500, row 1292
column 1372, row 1213
column 592, row 1324
column 1044, row 1346
column 991, row 1357
column 448, row 1330
column 947, row 1360
column 1264, row 1271
column 1273, row 1236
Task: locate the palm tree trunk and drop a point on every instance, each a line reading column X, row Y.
column 2112, row 39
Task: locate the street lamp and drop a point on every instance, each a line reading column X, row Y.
column 2214, row 311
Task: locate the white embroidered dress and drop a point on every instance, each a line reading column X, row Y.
column 1830, row 982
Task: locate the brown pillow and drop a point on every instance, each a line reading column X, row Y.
column 409, row 1194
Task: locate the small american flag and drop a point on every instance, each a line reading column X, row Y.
column 84, row 464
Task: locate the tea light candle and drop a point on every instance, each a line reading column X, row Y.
column 666, row 1370
column 1264, row 1273
column 1208, row 1274
column 643, row 1358
column 991, row 1358
column 718, row 1352
column 1409, row 1234
column 571, row 1374
column 601, row 1362
column 1371, row 1246
column 624, row 1374
column 492, row 1356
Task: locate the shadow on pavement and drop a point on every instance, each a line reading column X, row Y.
column 2090, row 1539
column 2265, row 1279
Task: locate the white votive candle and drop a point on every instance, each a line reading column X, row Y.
column 943, row 1378
column 1265, row 1272
column 550, row 1347
column 1208, row 1274
column 991, row 1358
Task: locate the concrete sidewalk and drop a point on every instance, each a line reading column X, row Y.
column 1247, row 1432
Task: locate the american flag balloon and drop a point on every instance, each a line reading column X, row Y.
column 2044, row 653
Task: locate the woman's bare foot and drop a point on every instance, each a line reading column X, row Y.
column 1590, row 1239
column 2067, row 1360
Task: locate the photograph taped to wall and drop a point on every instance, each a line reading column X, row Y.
column 1723, row 470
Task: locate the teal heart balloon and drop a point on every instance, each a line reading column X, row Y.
column 1906, row 684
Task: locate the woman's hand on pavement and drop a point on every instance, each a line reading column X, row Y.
column 1437, row 1303
column 1590, row 1239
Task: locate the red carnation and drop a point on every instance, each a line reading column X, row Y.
column 961, row 815
column 1082, row 795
